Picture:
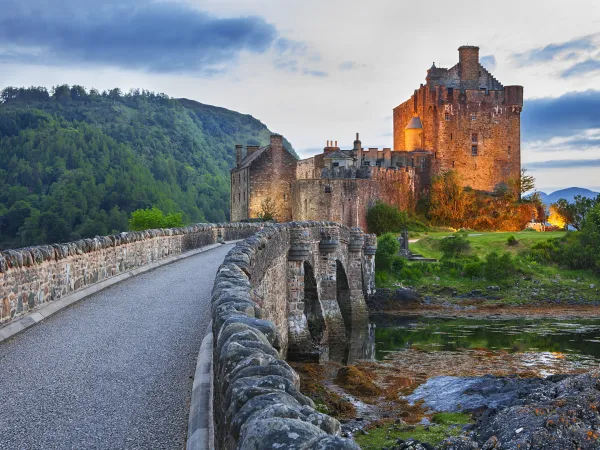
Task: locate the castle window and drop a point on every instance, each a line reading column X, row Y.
column 378, row 163
column 474, row 151
column 239, row 177
column 244, row 195
column 509, row 149
column 239, row 197
column 474, row 138
column 336, row 164
column 447, row 116
column 453, row 164
column 450, row 91
column 450, row 136
column 473, row 116
column 328, row 189
column 366, row 163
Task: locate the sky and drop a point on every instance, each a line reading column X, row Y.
column 318, row 70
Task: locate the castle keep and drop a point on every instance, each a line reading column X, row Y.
column 462, row 119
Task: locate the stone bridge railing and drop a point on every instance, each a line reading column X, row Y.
column 31, row 277
column 289, row 291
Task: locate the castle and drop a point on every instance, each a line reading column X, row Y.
column 462, row 119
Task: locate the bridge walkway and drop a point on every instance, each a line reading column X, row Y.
column 113, row 371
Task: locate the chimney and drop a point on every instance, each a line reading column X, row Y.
column 238, row 154
column 335, row 144
column 276, row 140
column 251, row 149
column 469, row 62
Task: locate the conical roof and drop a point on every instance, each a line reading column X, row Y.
column 415, row 123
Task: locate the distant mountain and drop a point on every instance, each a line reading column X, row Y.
column 75, row 163
column 568, row 194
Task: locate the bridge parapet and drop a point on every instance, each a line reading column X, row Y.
column 31, row 277
column 288, row 291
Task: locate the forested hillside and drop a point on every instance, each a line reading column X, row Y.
column 75, row 164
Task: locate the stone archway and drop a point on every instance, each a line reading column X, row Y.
column 343, row 296
column 312, row 306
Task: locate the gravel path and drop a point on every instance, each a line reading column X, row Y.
column 113, row 371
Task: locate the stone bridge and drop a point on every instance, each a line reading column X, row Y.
column 114, row 372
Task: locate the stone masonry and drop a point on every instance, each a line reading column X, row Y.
column 31, row 277
column 462, row 119
column 290, row 291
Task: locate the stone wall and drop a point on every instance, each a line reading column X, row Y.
column 31, row 277
column 348, row 200
column 258, row 308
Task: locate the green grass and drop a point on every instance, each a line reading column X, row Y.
column 482, row 243
column 535, row 282
column 444, row 425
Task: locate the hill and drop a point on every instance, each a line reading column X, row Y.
column 74, row 164
column 568, row 194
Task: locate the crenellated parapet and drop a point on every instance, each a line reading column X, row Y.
column 291, row 291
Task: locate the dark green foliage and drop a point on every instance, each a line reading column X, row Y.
column 512, row 241
column 387, row 252
column 499, row 267
column 74, row 164
column 454, row 246
column 153, row 218
column 575, row 213
column 383, row 218
column 473, row 269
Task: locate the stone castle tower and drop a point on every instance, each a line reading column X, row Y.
column 468, row 120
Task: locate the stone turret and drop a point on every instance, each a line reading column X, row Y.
column 469, row 62
column 413, row 134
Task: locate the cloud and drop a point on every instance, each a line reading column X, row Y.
column 563, row 163
column 569, row 50
column 157, row 37
column 568, row 115
column 489, row 62
column 315, row 73
column 582, row 68
column 351, row 65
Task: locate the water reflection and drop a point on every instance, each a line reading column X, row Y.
column 570, row 337
column 359, row 345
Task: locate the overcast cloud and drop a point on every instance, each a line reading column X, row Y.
column 318, row 70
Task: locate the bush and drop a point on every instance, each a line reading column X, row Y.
column 499, row 267
column 153, row 218
column 454, row 246
column 473, row 269
column 387, row 252
column 512, row 241
column 383, row 218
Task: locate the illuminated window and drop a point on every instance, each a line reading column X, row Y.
column 473, row 116
column 474, row 138
column 474, row 151
column 447, row 116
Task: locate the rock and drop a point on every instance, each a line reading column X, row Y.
column 289, row 434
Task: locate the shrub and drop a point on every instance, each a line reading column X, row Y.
column 455, row 245
column 383, row 218
column 499, row 267
column 152, row 218
column 387, row 252
column 473, row 269
column 512, row 241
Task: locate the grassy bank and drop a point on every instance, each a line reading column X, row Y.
column 472, row 274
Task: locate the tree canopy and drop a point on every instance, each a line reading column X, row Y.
column 76, row 163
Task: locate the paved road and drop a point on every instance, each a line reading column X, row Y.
column 115, row 370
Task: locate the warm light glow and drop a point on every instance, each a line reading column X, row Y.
column 556, row 219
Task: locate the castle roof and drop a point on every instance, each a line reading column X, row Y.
column 339, row 154
column 249, row 159
column 414, row 124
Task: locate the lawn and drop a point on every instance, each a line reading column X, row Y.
column 482, row 242
column 533, row 282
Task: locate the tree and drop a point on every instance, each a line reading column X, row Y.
column 387, row 251
column 384, row 218
column 153, row 218
column 267, row 210
column 447, row 200
column 574, row 213
column 527, row 181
